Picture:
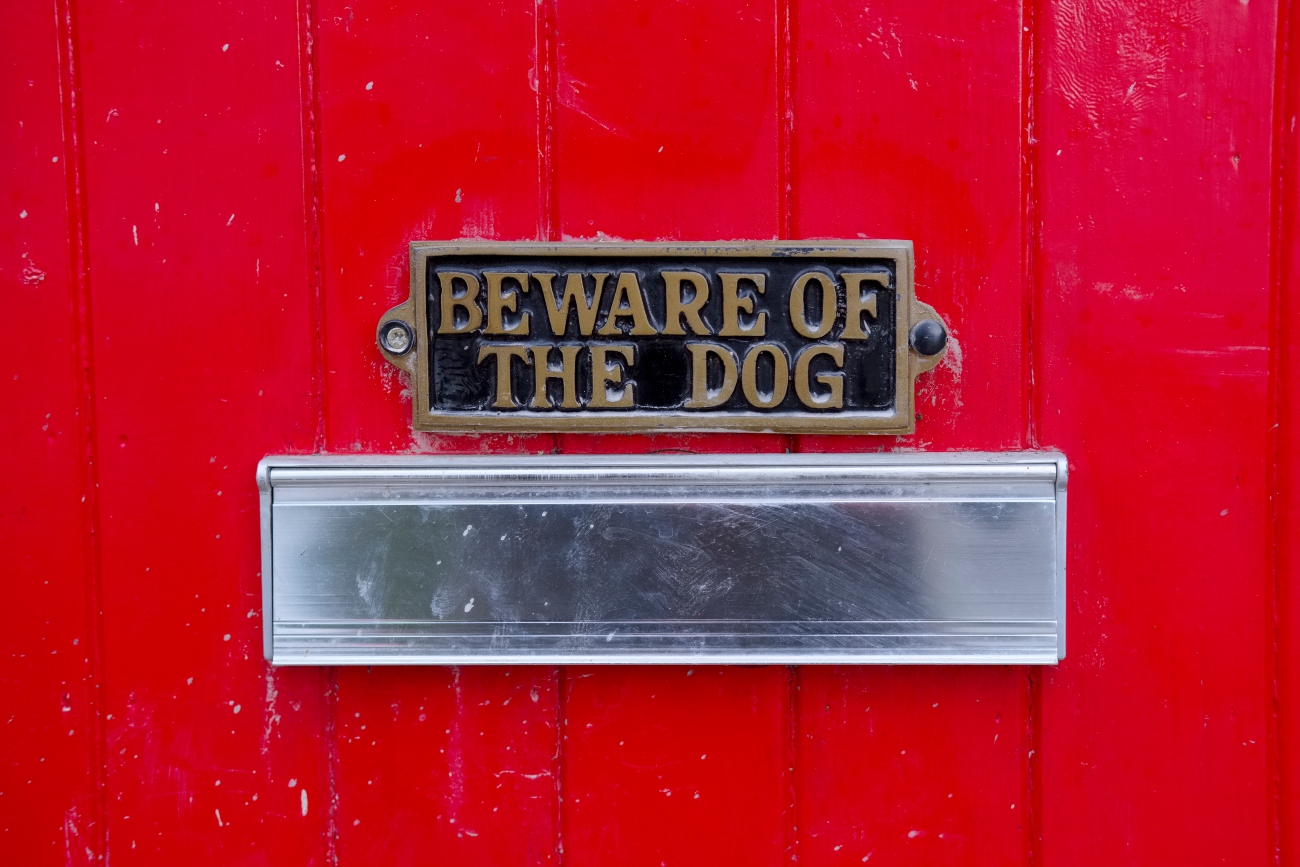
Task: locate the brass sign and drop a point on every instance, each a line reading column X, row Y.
column 817, row 337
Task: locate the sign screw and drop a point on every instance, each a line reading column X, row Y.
column 396, row 337
column 928, row 337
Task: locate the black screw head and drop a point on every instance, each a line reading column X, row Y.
column 396, row 337
column 929, row 337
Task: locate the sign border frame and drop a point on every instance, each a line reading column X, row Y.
column 908, row 364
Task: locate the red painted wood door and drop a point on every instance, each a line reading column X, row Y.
column 207, row 206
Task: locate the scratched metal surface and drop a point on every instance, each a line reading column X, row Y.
column 771, row 558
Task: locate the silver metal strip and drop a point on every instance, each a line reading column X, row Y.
column 268, row 563
column 895, row 558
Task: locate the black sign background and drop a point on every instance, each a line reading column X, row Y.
column 661, row 370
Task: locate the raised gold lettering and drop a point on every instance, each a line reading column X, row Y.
column 802, row 325
column 500, row 299
column 780, row 376
column 575, row 296
column 627, row 303
column 733, row 304
column 567, row 373
column 833, row 381
column 607, row 371
column 451, row 302
column 676, row 308
column 503, row 352
column 856, row 304
column 702, row 396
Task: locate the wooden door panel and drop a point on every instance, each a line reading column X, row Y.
column 906, row 122
column 428, row 126
column 664, row 128
column 1284, row 439
column 201, row 316
column 683, row 765
column 665, row 120
column 427, row 129
column 50, row 737
column 1152, row 367
column 917, row 766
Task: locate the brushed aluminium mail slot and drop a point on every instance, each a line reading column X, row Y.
column 883, row 558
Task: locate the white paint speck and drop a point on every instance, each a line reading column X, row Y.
column 543, row 513
column 54, row 160
column 370, row 85
column 237, row 708
column 293, row 781
column 503, row 537
column 22, row 215
column 304, row 802
column 226, row 47
column 342, row 157
column 219, row 823
column 231, row 220
column 469, row 605
column 468, row 527
column 1223, row 513
column 458, row 196
column 911, row 834
column 135, row 236
column 226, row 637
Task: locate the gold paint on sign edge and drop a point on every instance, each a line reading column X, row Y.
column 908, row 364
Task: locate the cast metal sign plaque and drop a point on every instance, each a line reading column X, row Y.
column 927, row 558
column 815, row 337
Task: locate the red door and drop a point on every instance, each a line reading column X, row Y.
column 207, row 207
